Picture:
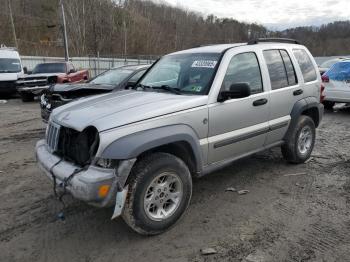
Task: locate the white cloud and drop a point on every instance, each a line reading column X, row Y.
column 277, row 14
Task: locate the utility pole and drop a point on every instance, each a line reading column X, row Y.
column 125, row 38
column 64, row 29
column 12, row 24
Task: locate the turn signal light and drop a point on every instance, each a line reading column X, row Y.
column 103, row 191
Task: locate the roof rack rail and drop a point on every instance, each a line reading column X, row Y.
column 276, row 40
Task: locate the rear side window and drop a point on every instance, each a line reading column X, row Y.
column 277, row 72
column 292, row 78
column 306, row 66
column 244, row 68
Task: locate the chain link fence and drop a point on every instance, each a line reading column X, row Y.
column 95, row 65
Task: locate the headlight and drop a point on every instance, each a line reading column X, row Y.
column 106, row 163
column 43, row 100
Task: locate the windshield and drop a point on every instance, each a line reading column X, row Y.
column 183, row 73
column 329, row 63
column 49, row 68
column 112, row 77
column 10, row 65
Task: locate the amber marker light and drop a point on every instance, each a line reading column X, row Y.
column 103, row 191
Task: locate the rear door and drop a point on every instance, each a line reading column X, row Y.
column 286, row 89
column 239, row 126
column 310, row 78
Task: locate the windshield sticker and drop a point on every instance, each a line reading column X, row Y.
column 196, row 89
column 204, row 63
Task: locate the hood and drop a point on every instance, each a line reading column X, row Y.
column 8, row 76
column 41, row 75
column 121, row 108
column 61, row 88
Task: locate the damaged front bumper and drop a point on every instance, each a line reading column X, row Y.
column 86, row 184
column 36, row 90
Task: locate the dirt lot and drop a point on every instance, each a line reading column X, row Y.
column 284, row 217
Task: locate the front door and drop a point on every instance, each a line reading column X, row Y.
column 239, row 126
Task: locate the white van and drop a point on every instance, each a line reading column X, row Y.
column 10, row 69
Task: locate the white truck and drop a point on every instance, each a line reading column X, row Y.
column 10, row 69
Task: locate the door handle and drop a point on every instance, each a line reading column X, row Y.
column 298, row 92
column 260, row 102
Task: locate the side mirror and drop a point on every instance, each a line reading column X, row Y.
column 71, row 71
column 238, row 90
column 25, row 70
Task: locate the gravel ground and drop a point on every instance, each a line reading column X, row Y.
column 291, row 213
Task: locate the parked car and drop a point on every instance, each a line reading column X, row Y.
column 46, row 74
column 193, row 112
column 325, row 66
column 337, row 84
column 115, row 79
column 10, row 69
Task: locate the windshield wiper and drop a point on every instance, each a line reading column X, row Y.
column 169, row 89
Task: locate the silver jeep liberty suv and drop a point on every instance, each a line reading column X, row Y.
column 193, row 112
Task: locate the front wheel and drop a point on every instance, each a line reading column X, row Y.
column 300, row 143
column 160, row 189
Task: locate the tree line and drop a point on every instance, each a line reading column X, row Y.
column 141, row 27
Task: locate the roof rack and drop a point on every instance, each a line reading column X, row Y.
column 275, row 40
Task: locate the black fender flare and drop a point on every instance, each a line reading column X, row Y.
column 133, row 145
column 301, row 106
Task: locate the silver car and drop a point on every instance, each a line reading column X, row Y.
column 337, row 84
column 195, row 111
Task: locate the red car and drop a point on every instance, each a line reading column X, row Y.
column 46, row 74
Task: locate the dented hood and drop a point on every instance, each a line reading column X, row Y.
column 121, row 108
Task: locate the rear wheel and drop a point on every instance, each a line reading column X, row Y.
column 300, row 143
column 160, row 190
column 328, row 105
column 27, row 97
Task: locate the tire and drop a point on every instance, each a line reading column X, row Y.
column 140, row 216
column 27, row 97
column 293, row 150
column 328, row 105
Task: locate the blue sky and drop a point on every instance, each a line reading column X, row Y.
column 275, row 14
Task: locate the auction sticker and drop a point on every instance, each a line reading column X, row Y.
column 205, row 63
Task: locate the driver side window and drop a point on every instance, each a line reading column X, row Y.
column 244, row 68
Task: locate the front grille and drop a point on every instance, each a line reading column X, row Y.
column 52, row 136
column 33, row 81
